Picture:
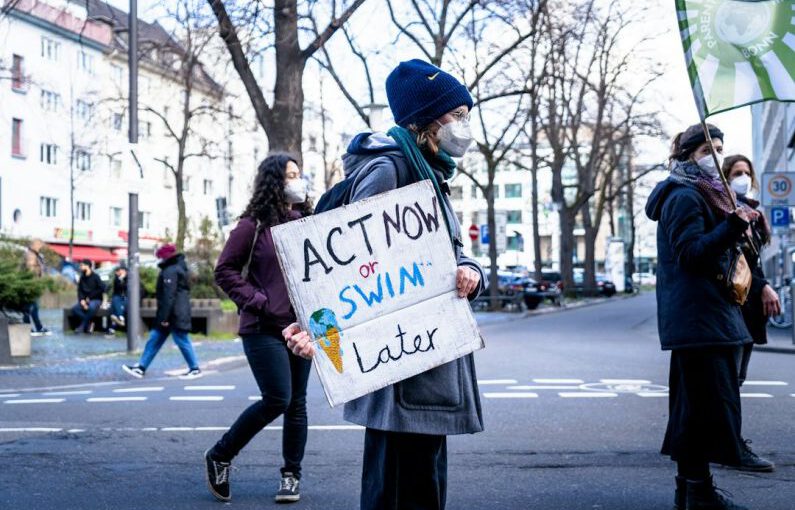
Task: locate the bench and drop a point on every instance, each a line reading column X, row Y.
column 206, row 317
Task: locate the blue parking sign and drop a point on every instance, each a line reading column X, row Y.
column 779, row 216
column 484, row 234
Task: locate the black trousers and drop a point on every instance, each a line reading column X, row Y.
column 403, row 471
column 743, row 359
column 282, row 378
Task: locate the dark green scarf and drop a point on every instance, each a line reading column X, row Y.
column 423, row 168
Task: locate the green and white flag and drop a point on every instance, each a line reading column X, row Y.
column 738, row 52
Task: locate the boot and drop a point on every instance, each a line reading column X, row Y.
column 680, row 496
column 703, row 495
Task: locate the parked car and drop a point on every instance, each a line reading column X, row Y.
column 605, row 287
column 644, row 278
column 513, row 287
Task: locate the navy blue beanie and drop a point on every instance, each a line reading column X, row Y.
column 419, row 93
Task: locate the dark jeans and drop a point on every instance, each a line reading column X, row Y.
column 32, row 313
column 118, row 305
column 86, row 315
column 282, row 378
column 743, row 359
column 403, row 471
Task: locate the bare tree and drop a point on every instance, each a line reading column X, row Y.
column 282, row 119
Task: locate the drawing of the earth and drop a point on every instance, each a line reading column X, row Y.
column 326, row 330
column 741, row 23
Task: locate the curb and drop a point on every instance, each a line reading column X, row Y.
column 771, row 348
column 563, row 308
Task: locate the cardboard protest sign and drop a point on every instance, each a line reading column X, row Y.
column 374, row 284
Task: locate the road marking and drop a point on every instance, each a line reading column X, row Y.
column 652, row 394
column 488, row 382
column 176, row 429
column 209, row 388
column 511, row 395
column 255, row 397
column 140, row 389
column 204, row 398
column 543, row 387
column 30, row 429
column 765, row 383
column 116, row 399
column 75, row 431
column 9, row 395
column 36, row 401
column 756, row 395
column 587, row 394
column 558, row 381
column 76, row 392
column 211, row 429
column 624, row 381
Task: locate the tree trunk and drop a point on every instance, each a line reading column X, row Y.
column 591, row 231
column 567, row 247
column 630, row 212
column 534, row 161
column 494, row 290
column 287, row 118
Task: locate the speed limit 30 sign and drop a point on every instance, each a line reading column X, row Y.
column 778, row 189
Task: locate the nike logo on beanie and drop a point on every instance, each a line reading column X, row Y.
column 433, row 76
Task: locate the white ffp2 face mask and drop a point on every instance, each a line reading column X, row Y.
column 741, row 184
column 295, row 191
column 455, row 137
column 707, row 163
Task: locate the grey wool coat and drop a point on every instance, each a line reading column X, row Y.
column 441, row 401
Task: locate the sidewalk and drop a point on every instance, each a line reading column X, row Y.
column 68, row 359
column 778, row 340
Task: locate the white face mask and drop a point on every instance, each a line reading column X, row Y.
column 455, row 137
column 742, row 184
column 295, row 191
column 707, row 163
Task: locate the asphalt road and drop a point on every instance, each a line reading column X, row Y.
column 574, row 404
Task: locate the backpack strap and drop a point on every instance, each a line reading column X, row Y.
column 244, row 272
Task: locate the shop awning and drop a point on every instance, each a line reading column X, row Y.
column 92, row 253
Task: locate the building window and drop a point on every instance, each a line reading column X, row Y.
column 117, row 121
column 515, row 242
column 18, row 81
column 84, row 110
column 50, row 49
column 208, row 187
column 496, row 191
column 115, row 216
column 48, row 207
column 16, row 138
column 514, row 217
column 83, row 211
column 50, row 101
column 48, row 153
column 83, row 160
column 456, row 192
column 513, row 191
column 115, row 168
column 85, row 62
column 117, row 73
column 144, row 129
column 185, row 183
column 475, row 191
column 143, row 220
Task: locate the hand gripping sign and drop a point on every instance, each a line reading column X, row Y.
column 374, row 284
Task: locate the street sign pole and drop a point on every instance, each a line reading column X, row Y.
column 133, row 256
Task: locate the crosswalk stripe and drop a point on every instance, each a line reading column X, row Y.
column 30, row 429
column 9, row 395
column 488, row 382
column 210, row 388
column 652, row 394
column 624, row 381
column 765, row 383
column 203, row 398
column 75, row 392
column 558, row 381
column 139, row 389
column 116, row 399
column 36, row 401
column 543, row 387
column 511, row 395
column 756, row 395
column 587, row 394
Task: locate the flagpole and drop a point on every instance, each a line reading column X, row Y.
column 714, row 153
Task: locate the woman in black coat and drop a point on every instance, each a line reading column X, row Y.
column 762, row 300
column 698, row 230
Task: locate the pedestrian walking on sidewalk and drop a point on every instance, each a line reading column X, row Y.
column 407, row 424
column 762, row 301
column 698, row 232
column 90, row 293
column 248, row 271
column 34, row 262
column 173, row 314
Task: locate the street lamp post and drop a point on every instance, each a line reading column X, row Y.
column 133, row 255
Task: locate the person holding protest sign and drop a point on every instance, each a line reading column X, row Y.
column 405, row 446
column 699, row 320
column 248, row 271
column 762, row 301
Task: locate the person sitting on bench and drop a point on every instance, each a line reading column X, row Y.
column 90, row 291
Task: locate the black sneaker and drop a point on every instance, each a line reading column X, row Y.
column 218, row 477
column 40, row 332
column 750, row 461
column 289, row 489
column 136, row 370
column 704, row 495
column 193, row 373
